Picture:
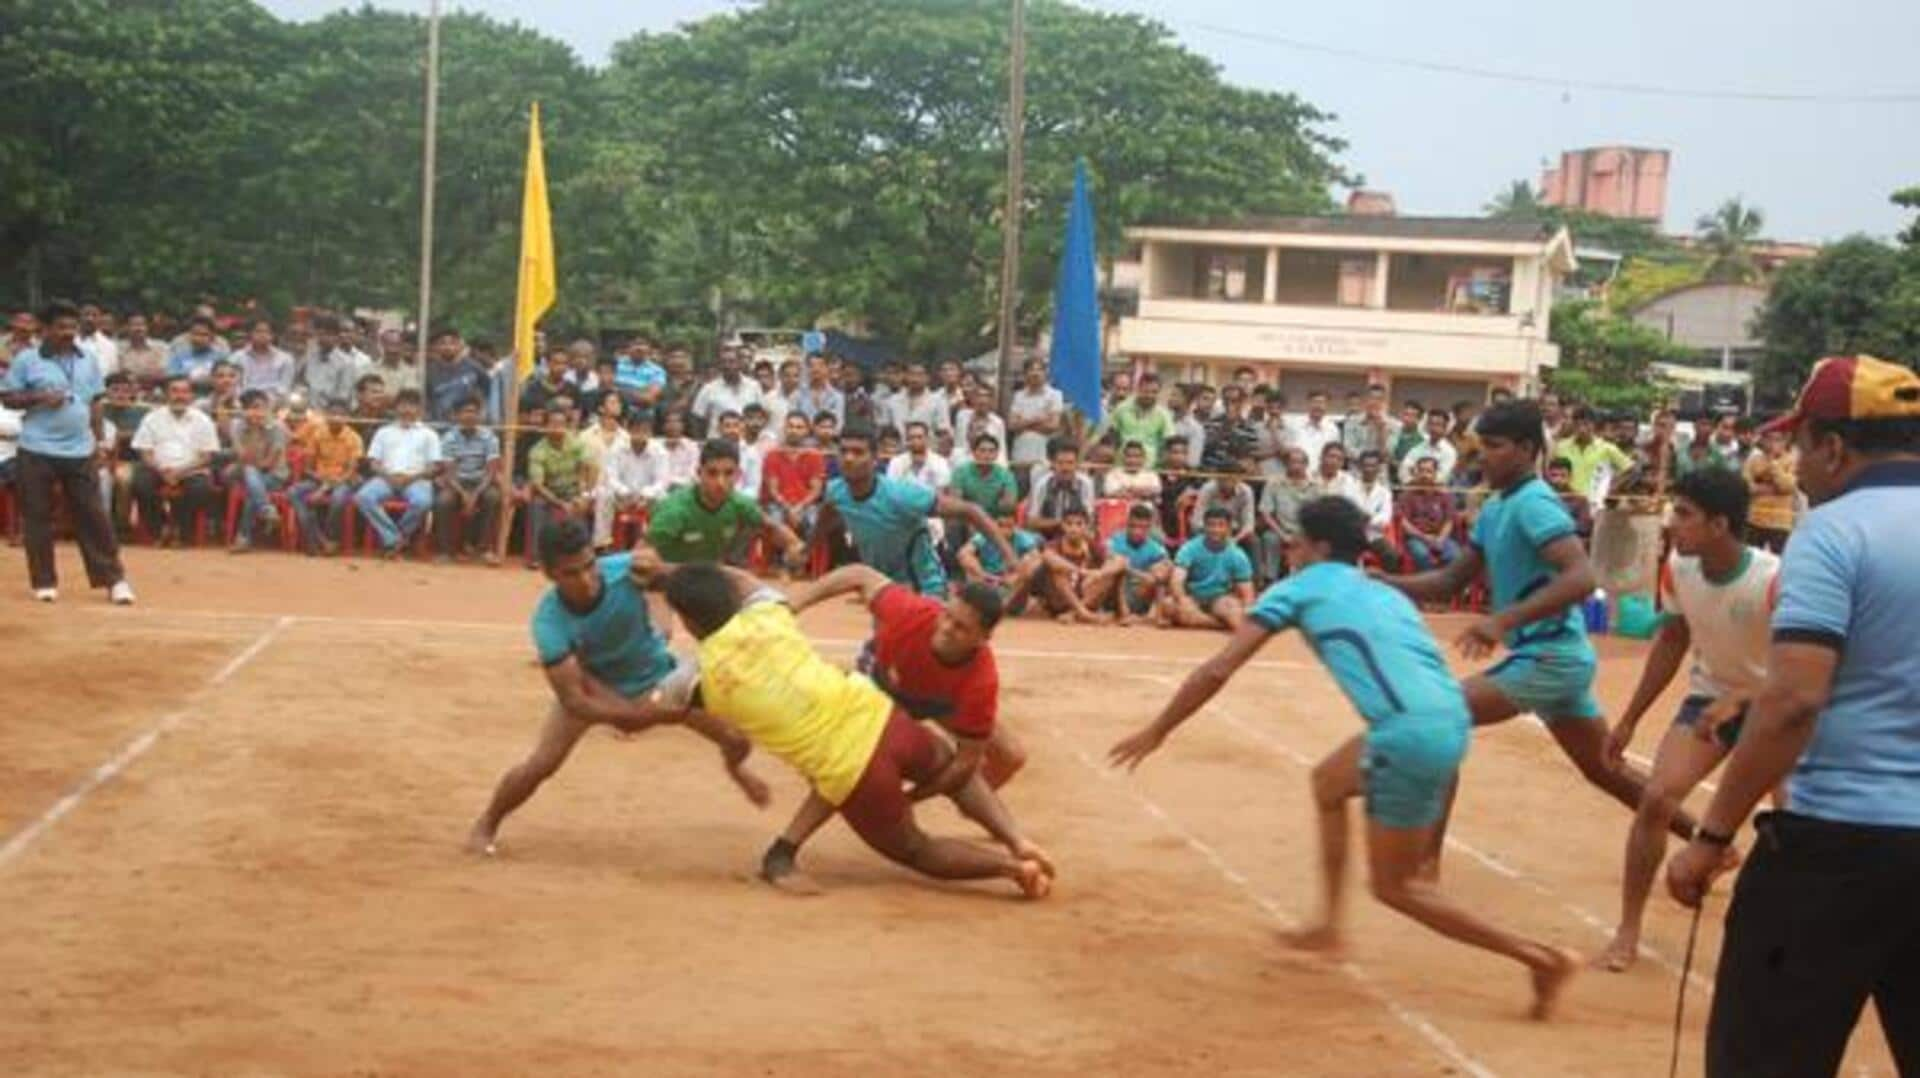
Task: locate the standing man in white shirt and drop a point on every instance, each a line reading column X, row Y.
column 920, row 464
column 96, row 336
column 1375, row 496
column 1034, row 417
column 1434, row 445
column 1314, row 433
column 331, row 368
column 919, row 402
column 405, row 456
column 176, row 445
column 731, row 391
column 977, row 418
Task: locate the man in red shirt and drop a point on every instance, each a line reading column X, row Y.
column 793, row 477
column 935, row 659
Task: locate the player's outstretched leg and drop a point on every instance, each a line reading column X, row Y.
column 1682, row 760
column 557, row 738
column 1488, row 705
column 1585, row 742
column 1336, row 780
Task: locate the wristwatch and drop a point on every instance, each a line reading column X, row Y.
column 1711, row 838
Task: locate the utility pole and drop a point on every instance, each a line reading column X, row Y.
column 1016, row 171
column 427, row 177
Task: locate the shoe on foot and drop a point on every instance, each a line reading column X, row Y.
column 45, row 595
column 241, row 546
column 121, row 594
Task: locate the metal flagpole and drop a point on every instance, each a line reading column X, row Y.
column 1016, row 169
column 425, row 312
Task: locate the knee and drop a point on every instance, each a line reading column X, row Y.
column 1393, row 892
column 1659, row 803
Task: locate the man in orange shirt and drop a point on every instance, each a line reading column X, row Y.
column 333, row 450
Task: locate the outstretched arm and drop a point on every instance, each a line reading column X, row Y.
column 1193, row 694
column 1669, row 650
column 1442, row 583
column 949, row 506
column 848, row 578
column 588, row 701
column 960, row 767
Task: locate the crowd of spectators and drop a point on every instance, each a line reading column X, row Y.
column 1180, row 502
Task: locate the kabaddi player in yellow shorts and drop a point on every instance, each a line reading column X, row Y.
column 758, row 672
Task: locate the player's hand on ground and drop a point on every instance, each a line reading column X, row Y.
column 1691, row 873
column 1025, row 850
column 1129, row 752
column 1478, row 639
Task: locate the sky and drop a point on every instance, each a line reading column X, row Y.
column 1445, row 143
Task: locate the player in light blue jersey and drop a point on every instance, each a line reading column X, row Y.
column 887, row 518
column 1537, row 569
column 1389, row 667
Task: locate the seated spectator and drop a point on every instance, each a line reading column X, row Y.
column 1062, row 487
column 176, row 445
column 259, row 465
column 1333, row 478
column 1427, row 519
column 558, row 473
column 469, row 497
column 635, row 477
column 919, row 463
column 1279, row 512
column 978, row 418
column 795, row 477
column 1147, row 565
column 985, row 481
column 222, row 402
column 1133, row 480
column 123, row 412
column 1432, row 444
column 1178, row 489
column 533, row 425
column 1412, row 416
column 1376, row 497
column 1078, row 577
column 1229, row 492
column 404, row 456
column 981, row 562
column 754, row 419
column 1103, row 453
column 333, row 450
column 370, row 405
column 683, row 453
column 1560, row 478
column 606, row 431
column 194, row 354
column 732, row 427
column 1212, row 584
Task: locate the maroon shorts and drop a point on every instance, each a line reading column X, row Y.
column 878, row 809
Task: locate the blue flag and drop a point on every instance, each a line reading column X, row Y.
column 1076, row 308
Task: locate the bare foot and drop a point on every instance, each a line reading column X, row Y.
column 1323, row 938
column 795, row 883
column 1550, row 979
column 1619, row 955
column 481, row 843
column 1034, row 880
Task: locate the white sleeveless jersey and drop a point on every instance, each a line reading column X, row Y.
column 1730, row 622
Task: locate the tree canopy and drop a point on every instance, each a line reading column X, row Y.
column 788, row 161
column 1606, row 360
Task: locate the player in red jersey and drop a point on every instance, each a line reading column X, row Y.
column 935, row 660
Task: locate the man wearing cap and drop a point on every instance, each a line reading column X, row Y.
column 1824, row 914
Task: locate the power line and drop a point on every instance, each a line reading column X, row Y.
column 1892, row 97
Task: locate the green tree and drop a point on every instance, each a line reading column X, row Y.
column 812, row 156
column 1858, row 295
column 1643, row 279
column 1517, row 202
column 1607, row 360
column 1726, row 236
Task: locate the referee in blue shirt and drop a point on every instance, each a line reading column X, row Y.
column 1826, row 913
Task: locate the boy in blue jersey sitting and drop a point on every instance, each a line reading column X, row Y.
column 607, row 664
column 1149, row 567
column 1524, row 540
column 1389, row 667
column 981, row 562
column 1212, row 583
column 887, row 518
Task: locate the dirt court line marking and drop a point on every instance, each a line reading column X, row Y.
column 1491, row 863
column 100, row 776
column 1412, row 1019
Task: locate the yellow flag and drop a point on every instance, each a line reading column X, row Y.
column 536, row 254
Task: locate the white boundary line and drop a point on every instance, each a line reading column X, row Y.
column 1412, row 1019
column 18, row 842
column 1491, row 863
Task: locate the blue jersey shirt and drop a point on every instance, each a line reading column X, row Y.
column 66, row 431
column 1513, row 528
column 1022, row 541
column 1851, row 580
column 1139, row 558
column 1372, row 641
column 889, row 528
column 1212, row 573
column 615, row 641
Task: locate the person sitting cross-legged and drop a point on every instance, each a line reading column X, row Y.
column 1212, row 578
column 404, row 456
column 1146, row 567
column 981, row 562
column 1078, row 577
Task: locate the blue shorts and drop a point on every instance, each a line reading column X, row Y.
column 1689, row 716
column 1409, row 768
column 1553, row 683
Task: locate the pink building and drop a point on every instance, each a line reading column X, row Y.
column 1613, row 181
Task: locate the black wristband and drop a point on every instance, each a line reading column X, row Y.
column 1710, row 838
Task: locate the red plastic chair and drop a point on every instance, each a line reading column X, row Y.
column 369, row 540
column 282, row 504
column 629, row 525
column 1110, row 516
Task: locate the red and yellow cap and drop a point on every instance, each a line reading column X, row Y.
column 1853, row 387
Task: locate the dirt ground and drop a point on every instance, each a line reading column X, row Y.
column 232, row 817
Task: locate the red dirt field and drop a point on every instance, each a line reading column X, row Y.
column 230, row 827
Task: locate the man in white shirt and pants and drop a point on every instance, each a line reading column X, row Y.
column 405, row 455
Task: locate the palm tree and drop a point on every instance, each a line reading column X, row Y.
column 1726, row 236
column 1519, row 202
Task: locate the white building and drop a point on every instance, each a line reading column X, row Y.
column 1436, row 308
